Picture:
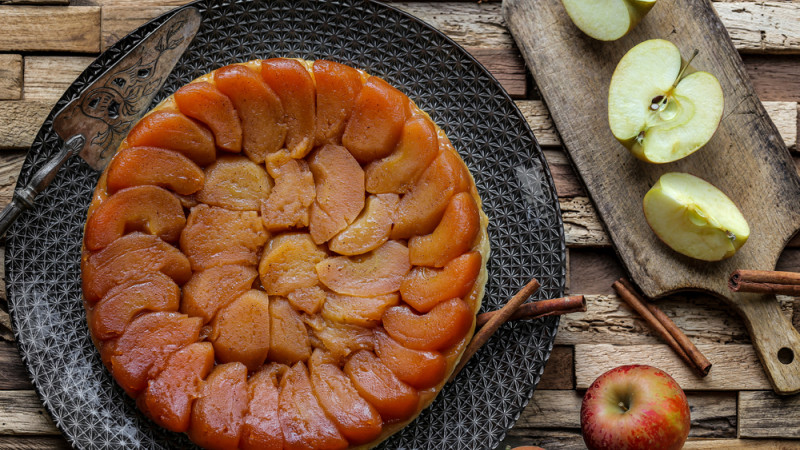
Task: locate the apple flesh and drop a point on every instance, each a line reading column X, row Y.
column 695, row 218
column 607, row 20
column 635, row 407
column 655, row 110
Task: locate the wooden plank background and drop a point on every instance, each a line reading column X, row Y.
column 45, row 44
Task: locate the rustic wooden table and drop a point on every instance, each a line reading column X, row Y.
column 45, row 44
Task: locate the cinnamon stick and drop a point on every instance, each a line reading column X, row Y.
column 664, row 326
column 542, row 308
column 765, row 282
column 500, row 317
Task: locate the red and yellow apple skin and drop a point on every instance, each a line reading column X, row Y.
column 635, row 407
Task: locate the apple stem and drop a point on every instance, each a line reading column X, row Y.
column 622, row 405
column 685, row 66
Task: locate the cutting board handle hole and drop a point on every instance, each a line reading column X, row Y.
column 785, row 355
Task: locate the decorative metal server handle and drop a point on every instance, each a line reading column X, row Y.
column 23, row 198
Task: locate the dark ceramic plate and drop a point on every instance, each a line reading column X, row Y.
column 43, row 247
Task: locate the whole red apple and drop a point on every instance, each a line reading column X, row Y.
column 634, row 407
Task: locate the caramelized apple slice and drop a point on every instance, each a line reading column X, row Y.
column 288, row 203
column 149, row 209
column 146, row 344
column 337, row 89
column 394, row 400
column 262, row 427
column 339, row 183
column 295, row 87
column 370, row 229
column 218, row 413
column 130, row 257
column 423, row 288
column 422, row 207
column 356, row 419
column 416, row 150
column 442, row 327
column 338, row 339
column 210, row 290
column 172, row 130
column 240, row 331
column 138, row 166
column 288, row 338
column 288, row 263
column 376, row 273
column 308, row 299
column 235, row 182
column 168, row 398
column 377, row 121
column 259, row 108
column 153, row 292
column 454, row 235
column 417, row 368
column 361, row 311
column 216, row 236
column 304, row 423
column 204, row 102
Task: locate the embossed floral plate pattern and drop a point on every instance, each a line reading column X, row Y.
column 43, row 247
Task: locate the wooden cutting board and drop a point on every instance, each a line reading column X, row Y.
column 746, row 159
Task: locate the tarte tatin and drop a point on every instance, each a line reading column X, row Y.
column 284, row 254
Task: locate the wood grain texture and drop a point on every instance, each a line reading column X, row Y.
column 20, row 120
column 507, row 66
column 704, row 319
column 14, row 376
column 479, row 27
column 733, row 444
column 736, row 366
column 118, row 21
column 10, row 76
column 763, row 27
column 34, row 443
column 762, row 414
column 746, row 158
column 541, row 124
column 47, row 77
column 34, row 2
column 22, row 413
column 566, row 181
column 582, row 227
column 592, row 271
column 713, row 413
column 560, row 439
column 774, row 77
column 559, row 372
column 10, row 165
column 50, row 28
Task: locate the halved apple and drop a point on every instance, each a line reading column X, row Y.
column 657, row 111
column 607, row 20
column 695, row 218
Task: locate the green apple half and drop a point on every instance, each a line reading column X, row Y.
column 695, row 218
column 656, row 112
column 607, row 20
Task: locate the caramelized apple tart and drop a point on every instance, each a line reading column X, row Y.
column 284, row 254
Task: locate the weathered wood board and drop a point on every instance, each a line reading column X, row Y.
column 746, row 158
